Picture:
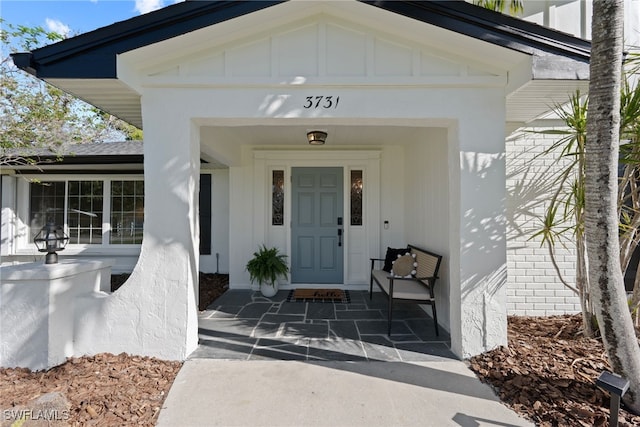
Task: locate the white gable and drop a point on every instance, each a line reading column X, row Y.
column 321, row 49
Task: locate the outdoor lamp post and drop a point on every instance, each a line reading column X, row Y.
column 617, row 387
column 50, row 239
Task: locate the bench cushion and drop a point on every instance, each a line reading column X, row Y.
column 402, row 289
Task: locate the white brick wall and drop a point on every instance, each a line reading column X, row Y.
column 533, row 287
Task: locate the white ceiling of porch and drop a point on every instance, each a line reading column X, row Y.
column 221, row 145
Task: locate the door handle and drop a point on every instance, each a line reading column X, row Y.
column 339, row 237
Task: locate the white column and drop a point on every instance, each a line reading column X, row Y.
column 154, row 313
column 7, row 233
column 478, row 240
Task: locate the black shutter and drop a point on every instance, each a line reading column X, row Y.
column 205, row 214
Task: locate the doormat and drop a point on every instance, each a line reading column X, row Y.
column 319, row 295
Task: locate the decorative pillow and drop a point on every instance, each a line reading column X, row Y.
column 392, row 255
column 404, row 266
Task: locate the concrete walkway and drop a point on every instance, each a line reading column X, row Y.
column 272, row 362
column 214, row 392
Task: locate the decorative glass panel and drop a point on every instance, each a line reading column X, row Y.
column 84, row 212
column 277, row 198
column 356, row 197
column 127, row 212
column 47, row 205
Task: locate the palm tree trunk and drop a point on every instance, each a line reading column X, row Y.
column 601, row 223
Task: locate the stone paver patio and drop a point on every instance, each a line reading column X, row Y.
column 244, row 325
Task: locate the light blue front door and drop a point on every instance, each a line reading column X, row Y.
column 317, row 239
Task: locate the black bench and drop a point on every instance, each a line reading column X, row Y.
column 418, row 288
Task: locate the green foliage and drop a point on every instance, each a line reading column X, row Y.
column 569, row 184
column 564, row 216
column 515, row 6
column 34, row 114
column 267, row 265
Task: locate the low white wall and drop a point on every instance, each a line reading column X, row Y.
column 37, row 305
column 121, row 263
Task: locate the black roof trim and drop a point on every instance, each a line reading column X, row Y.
column 69, row 58
column 43, row 171
column 93, row 54
column 493, row 27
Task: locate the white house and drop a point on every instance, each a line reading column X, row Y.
column 416, row 99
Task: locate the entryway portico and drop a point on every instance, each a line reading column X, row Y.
column 423, row 106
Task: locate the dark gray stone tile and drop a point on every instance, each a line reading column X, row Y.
column 336, row 349
column 205, row 314
column 380, row 327
column 380, row 348
column 358, row 297
column 345, row 329
column 254, row 310
column 359, row 314
column 265, row 329
column 404, row 338
column 226, row 327
column 237, row 349
column 282, row 318
column 293, row 308
column 234, row 297
column 425, row 330
column 282, row 341
column 279, row 297
column 242, row 319
column 308, row 330
column 226, row 312
column 409, row 312
column 320, row 311
column 278, row 350
column 424, row 352
column 377, row 300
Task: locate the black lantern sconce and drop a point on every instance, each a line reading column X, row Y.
column 51, row 239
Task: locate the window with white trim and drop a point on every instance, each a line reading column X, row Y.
column 127, row 212
column 92, row 212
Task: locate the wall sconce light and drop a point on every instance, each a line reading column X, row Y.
column 316, row 137
column 50, row 239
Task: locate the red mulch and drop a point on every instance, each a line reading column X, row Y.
column 548, row 373
column 105, row 389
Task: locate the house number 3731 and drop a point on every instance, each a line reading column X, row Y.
column 321, row 101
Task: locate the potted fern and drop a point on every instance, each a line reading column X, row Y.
column 265, row 267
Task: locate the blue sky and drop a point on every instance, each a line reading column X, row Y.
column 72, row 17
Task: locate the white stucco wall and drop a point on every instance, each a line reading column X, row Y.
column 37, row 310
column 155, row 312
column 426, row 207
column 478, row 244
